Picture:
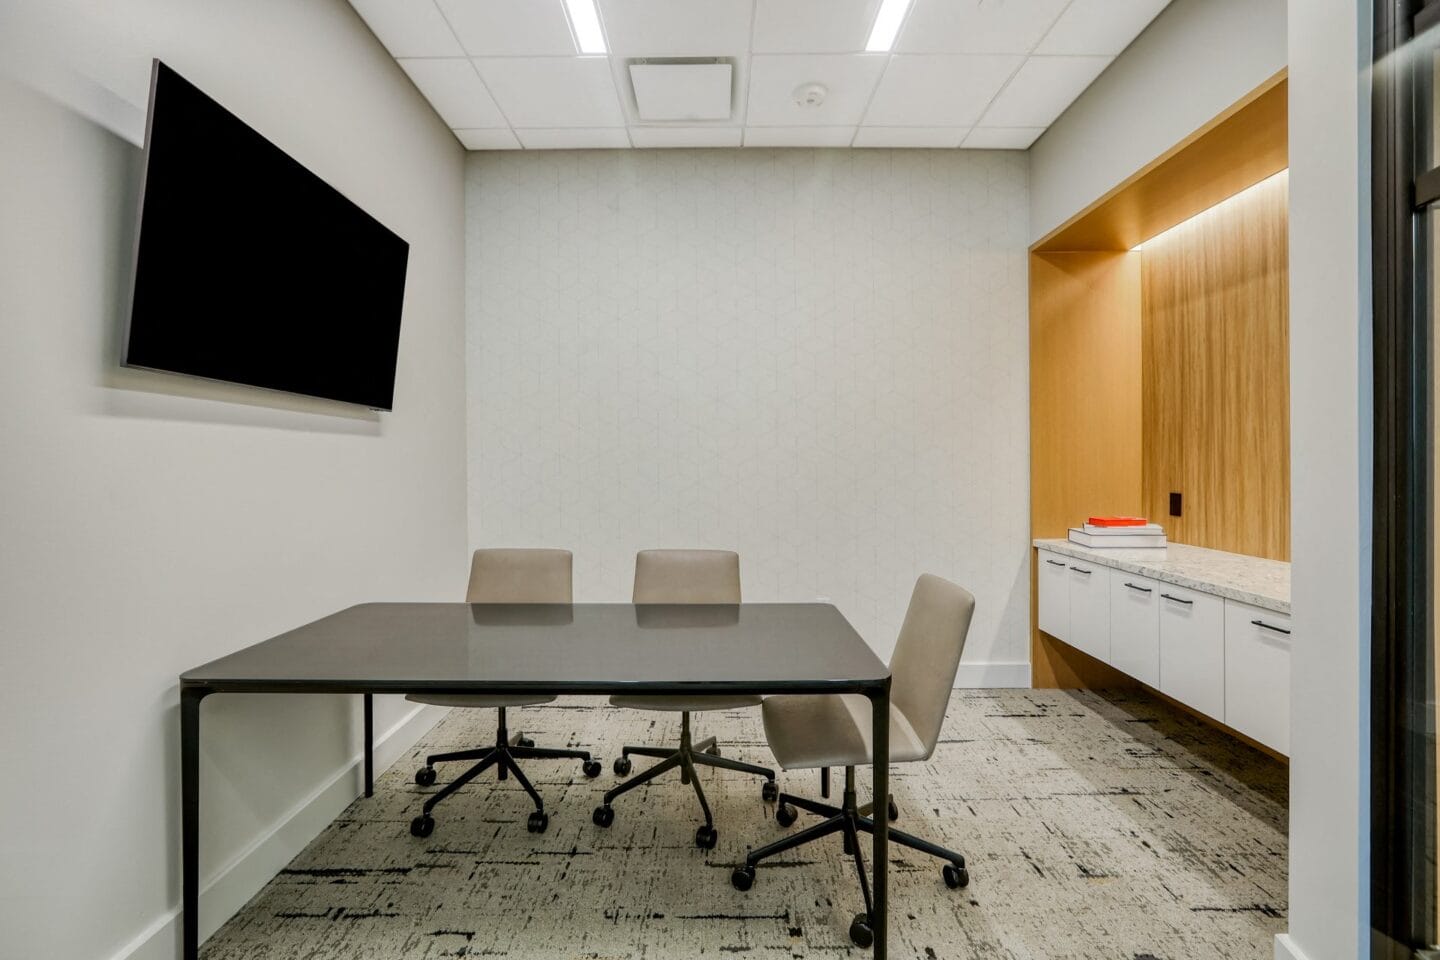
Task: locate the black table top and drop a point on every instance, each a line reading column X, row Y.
column 543, row 648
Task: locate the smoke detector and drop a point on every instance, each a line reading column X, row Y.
column 810, row 95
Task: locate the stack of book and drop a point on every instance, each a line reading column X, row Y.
column 1120, row 533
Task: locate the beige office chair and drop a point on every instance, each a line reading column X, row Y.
column 504, row 576
column 834, row 731
column 680, row 577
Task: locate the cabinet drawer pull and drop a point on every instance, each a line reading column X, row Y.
column 1270, row 626
column 1135, row 587
column 1177, row 599
column 1082, row 570
column 1055, row 563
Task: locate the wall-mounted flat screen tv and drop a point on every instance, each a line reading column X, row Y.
column 251, row 269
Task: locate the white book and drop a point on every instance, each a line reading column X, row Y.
column 1117, row 542
column 1149, row 528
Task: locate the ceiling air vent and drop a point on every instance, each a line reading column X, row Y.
column 682, row 89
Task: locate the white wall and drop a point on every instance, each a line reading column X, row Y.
column 1197, row 58
column 1330, row 444
column 817, row 358
column 148, row 523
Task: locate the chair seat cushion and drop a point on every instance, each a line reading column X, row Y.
column 478, row 699
column 832, row 731
column 695, row 704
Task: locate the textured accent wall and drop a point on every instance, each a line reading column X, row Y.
column 817, row 358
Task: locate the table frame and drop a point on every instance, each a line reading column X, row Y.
column 193, row 692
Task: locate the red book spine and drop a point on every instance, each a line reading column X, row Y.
column 1117, row 521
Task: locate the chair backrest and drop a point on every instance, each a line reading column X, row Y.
column 520, row 576
column 687, row 576
column 927, row 654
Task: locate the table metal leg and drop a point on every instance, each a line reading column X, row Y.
column 880, row 853
column 190, row 698
column 369, row 744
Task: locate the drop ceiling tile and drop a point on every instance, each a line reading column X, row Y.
column 682, row 91
column 977, row 26
column 454, row 89
column 1103, row 27
column 409, row 28
column 573, row 138
column 1042, row 89
column 677, row 28
column 553, row 91
column 849, row 80
column 500, row 139
column 505, row 28
column 933, row 90
column 909, row 136
column 1002, row 138
column 799, row 136
column 813, row 26
column 685, row 136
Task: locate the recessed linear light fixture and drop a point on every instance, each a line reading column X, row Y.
column 585, row 21
column 887, row 25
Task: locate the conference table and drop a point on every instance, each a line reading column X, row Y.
column 541, row 649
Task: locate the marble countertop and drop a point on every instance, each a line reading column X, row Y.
column 1253, row 580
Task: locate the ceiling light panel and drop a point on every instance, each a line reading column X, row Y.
column 677, row 28
column 685, row 136
column 929, row 90
column 1042, row 89
column 409, row 28
column 545, row 92
column 888, row 20
column 799, row 136
column 849, row 79
column 455, row 91
column 576, row 138
column 977, row 26
column 939, row 137
column 813, row 26
column 507, row 28
column 1103, row 27
column 585, row 22
column 1002, row 138
column 681, row 91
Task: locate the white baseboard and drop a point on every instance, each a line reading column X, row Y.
column 993, row 674
column 1287, row 949
column 236, row 882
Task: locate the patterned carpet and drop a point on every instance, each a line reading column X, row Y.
column 1105, row 825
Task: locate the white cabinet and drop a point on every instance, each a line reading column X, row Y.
column 1135, row 626
column 1192, row 649
column 1257, row 674
column 1053, row 605
column 1089, row 609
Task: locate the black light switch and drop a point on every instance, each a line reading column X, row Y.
column 1174, row 504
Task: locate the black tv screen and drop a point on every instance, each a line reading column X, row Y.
column 251, row 269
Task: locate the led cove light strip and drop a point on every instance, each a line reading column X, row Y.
column 887, row 25
column 585, row 21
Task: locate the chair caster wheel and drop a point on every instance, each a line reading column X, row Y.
column 524, row 742
column 603, row 816
column 785, row 814
column 622, row 766
column 743, row 878
column 538, row 821
column 705, row 838
column 591, row 768
column 770, row 792
column 860, row 933
column 893, row 810
column 422, row 826
column 425, row 776
column 955, row 877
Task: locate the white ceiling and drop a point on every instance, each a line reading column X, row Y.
column 985, row 74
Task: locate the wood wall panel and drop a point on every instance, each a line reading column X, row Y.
column 1085, row 417
column 1216, row 387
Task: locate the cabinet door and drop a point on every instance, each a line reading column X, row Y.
column 1089, row 609
column 1053, row 606
column 1257, row 674
column 1135, row 626
column 1192, row 649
